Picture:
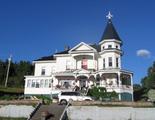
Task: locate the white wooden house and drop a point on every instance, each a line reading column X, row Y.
column 84, row 65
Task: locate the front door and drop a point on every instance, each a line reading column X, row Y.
column 83, row 84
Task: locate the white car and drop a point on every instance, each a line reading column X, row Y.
column 65, row 97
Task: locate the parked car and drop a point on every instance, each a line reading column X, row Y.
column 65, row 97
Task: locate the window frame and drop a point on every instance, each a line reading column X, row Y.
column 110, row 61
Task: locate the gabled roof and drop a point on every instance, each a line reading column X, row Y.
column 80, row 44
column 51, row 57
column 110, row 32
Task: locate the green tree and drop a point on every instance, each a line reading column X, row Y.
column 2, row 71
column 16, row 72
column 149, row 80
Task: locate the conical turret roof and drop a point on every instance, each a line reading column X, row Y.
column 110, row 32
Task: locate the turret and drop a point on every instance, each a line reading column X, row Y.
column 110, row 44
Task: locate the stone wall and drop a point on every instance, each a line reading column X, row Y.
column 127, row 104
column 17, row 111
column 110, row 113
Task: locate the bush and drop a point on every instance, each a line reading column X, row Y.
column 100, row 93
column 45, row 99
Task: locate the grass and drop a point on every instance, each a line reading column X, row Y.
column 11, row 90
column 9, row 93
column 8, row 118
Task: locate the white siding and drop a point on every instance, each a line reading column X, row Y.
column 49, row 67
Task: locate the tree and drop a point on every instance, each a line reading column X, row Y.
column 3, row 68
column 16, row 73
column 149, row 80
column 140, row 93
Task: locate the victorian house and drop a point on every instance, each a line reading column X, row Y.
column 84, row 65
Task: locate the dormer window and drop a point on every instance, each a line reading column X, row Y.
column 109, row 46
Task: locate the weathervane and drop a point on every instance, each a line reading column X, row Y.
column 109, row 16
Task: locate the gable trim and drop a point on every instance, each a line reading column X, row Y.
column 82, row 43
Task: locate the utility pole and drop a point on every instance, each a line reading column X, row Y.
column 7, row 75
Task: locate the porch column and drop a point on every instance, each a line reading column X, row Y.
column 131, row 80
column 119, row 79
column 26, row 81
column 75, row 64
column 87, row 83
column 94, row 62
column 119, row 96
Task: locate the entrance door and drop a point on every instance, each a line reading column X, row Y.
column 83, row 84
column 82, row 81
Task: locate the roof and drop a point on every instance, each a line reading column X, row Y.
column 97, row 47
column 51, row 57
column 110, row 32
column 63, row 52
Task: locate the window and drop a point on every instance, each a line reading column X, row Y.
column 116, row 46
column 41, row 83
column 37, row 84
column 110, row 61
column 29, row 83
column 103, row 47
column 98, row 80
column 33, row 83
column 84, row 63
column 109, row 46
column 43, row 71
column 50, row 83
column 46, row 84
column 104, row 63
column 117, row 64
column 65, row 84
column 70, row 93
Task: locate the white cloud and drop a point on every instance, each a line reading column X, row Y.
column 143, row 53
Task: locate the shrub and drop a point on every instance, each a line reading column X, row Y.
column 100, row 93
column 45, row 99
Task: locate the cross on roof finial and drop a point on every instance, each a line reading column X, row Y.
column 109, row 16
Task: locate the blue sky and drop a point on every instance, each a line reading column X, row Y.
column 30, row 29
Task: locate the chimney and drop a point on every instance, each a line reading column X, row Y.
column 66, row 47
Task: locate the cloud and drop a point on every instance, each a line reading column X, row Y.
column 143, row 53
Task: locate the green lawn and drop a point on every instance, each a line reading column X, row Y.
column 10, row 93
column 11, row 90
column 8, row 118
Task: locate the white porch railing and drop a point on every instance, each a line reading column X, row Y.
column 116, row 86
